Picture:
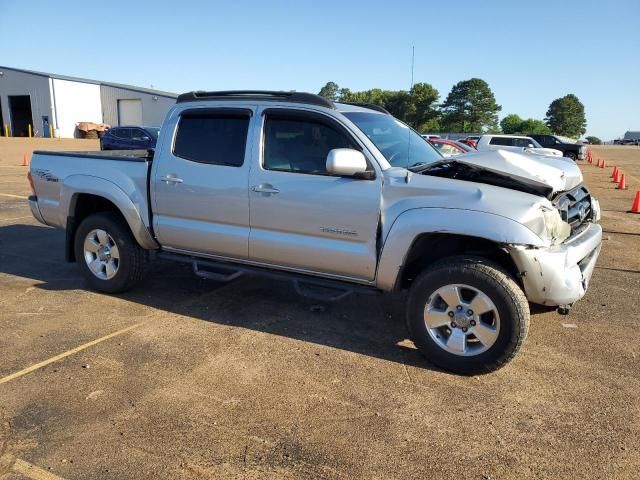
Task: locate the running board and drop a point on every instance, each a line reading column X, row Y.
column 305, row 285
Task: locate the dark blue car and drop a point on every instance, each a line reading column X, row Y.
column 129, row 138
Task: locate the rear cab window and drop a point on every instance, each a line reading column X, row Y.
column 213, row 136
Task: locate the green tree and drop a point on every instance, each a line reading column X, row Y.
column 416, row 107
column 566, row 116
column 470, row 107
column 593, row 140
column 532, row 126
column 330, row 91
column 422, row 113
column 511, row 123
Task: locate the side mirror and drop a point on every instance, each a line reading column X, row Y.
column 531, row 145
column 145, row 139
column 346, row 162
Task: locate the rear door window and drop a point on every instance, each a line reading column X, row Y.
column 503, row 141
column 216, row 137
column 137, row 134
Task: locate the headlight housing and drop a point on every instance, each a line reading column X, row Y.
column 549, row 226
column 556, row 230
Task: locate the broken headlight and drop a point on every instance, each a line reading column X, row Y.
column 556, row 230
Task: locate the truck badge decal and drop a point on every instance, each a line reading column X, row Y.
column 339, row 231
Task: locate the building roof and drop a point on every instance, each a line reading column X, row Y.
column 95, row 82
column 632, row 135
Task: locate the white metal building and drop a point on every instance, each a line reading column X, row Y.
column 44, row 100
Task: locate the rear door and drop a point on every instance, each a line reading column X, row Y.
column 199, row 183
column 301, row 217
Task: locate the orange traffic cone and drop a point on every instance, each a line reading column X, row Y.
column 615, row 171
column 635, row 206
column 603, row 164
column 616, row 176
column 623, row 184
column 25, row 160
column 598, row 163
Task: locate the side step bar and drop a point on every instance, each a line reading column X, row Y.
column 305, row 285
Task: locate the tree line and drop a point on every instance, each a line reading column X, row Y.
column 470, row 107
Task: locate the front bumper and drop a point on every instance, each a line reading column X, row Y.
column 582, row 154
column 35, row 209
column 559, row 275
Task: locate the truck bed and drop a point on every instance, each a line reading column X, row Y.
column 59, row 177
column 124, row 155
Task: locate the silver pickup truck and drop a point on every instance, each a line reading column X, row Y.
column 337, row 197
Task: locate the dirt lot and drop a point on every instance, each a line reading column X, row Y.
column 198, row 380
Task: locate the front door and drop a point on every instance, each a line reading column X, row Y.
column 200, row 183
column 301, row 217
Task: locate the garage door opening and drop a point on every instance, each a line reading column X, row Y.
column 130, row 112
column 20, row 112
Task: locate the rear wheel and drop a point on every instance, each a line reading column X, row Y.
column 107, row 253
column 571, row 155
column 467, row 315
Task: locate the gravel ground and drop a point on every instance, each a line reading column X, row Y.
column 248, row 380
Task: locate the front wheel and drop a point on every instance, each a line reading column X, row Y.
column 107, row 253
column 467, row 315
column 571, row 155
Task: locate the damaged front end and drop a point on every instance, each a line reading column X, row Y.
column 558, row 273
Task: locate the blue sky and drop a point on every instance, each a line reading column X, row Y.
column 529, row 52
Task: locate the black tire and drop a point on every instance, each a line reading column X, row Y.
column 508, row 298
column 132, row 257
column 571, row 155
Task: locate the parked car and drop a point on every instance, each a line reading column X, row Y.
column 472, row 140
column 515, row 142
column 129, row 138
column 569, row 148
column 343, row 197
column 450, row 148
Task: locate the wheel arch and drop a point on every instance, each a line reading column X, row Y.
column 420, row 236
column 429, row 248
column 87, row 195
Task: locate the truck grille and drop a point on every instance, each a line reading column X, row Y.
column 575, row 207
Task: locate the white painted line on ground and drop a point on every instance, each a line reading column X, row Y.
column 44, row 363
column 29, row 470
column 15, row 218
column 8, row 195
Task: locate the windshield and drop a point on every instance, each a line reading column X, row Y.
column 154, row 131
column 400, row 145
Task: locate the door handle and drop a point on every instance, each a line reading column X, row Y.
column 170, row 179
column 265, row 188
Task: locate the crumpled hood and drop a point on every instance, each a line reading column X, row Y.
column 558, row 173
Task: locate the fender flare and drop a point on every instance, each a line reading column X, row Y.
column 129, row 207
column 412, row 223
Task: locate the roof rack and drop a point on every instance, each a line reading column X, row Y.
column 296, row 97
column 370, row 106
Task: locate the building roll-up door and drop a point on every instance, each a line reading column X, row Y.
column 130, row 112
